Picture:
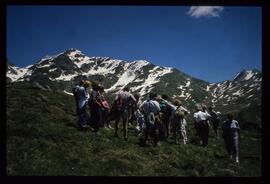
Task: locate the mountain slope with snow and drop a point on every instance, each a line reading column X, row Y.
column 61, row 72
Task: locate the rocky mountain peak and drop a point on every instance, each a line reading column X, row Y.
column 245, row 75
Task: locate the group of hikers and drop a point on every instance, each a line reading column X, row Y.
column 155, row 119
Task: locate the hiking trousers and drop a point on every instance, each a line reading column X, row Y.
column 215, row 126
column 96, row 117
column 152, row 130
column 166, row 122
column 231, row 144
column 203, row 132
column 82, row 116
column 124, row 117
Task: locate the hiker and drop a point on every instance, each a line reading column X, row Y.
column 123, row 100
column 83, row 99
column 105, row 108
column 231, row 134
column 204, row 109
column 151, row 111
column 215, row 119
column 76, row 95
column 166, row 111
column 96, row 107
column 201, row 121
column 179, row 121
column 132, row 109
column 139, row 117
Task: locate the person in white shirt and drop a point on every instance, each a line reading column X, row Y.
column 202, row 125
column 151, row 109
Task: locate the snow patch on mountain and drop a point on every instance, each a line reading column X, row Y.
column 137, row 65
column 180, row 87
column 44, row 66
column 188, row 83
column 19, row 73
column 64, row 77
column 238, row 93
column 126, row 78
column 249, row 74
column 152, row 79
column 103, row 70
column 53, row 69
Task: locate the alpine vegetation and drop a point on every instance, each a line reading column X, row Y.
column 71, row 114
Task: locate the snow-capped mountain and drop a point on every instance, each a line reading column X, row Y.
column 245, row 88
column 63, row 71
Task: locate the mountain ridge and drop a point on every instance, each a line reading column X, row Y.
column 62, row 71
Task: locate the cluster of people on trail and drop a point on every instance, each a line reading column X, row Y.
column 156, row 119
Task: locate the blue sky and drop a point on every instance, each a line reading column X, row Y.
column 209, row 43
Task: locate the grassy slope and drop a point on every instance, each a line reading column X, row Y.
column 42, row 139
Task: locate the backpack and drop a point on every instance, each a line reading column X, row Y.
column 151, row 116
column 179, row 114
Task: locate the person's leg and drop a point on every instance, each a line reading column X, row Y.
column 204, row 134
column 235, row 149
column 200, row 131
column 82, row 116
column 204, row 137
column 125, row 123
column 196, row 126
column 176, row 132
column 166, row 123
column 156, row 135
column 147, row 131
column 100, row 117
column 184, row 134
column 77, row 108
column 125, row 127
column 228, row 145
column 117, row 119
column 215, row 126
column 140, row 124
column 97, row 119
column 206, row 131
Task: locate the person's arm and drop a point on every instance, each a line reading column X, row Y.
column 133, row 98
